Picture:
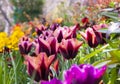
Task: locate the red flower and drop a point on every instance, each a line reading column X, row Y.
column 25, row 45
column 39, row 66
column 93, row 37
column 65, row 32
column 49, row 46
column 40, row 29
column 69, row 48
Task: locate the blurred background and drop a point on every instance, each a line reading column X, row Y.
column 20, row 11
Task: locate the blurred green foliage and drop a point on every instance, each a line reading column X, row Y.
column 26, row 10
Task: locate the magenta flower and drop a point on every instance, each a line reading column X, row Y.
column 53, row 81
column 69, row 48
column 83, row 74
column 39, row 66
column 25, row 45
column 49, row 46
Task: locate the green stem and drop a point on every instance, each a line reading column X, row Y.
column 4, row 72
column 14, row 67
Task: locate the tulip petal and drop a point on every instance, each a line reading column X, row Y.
column 70, row 48
column 44, row 46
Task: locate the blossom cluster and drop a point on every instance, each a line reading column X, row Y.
column 11, row 41
column 41, row 54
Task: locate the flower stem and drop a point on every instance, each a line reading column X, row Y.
column 14, row 67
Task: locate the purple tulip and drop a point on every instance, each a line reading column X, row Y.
column 53, row 81
column 83, row 74
column 25, row 45
column 39, row 66
column 69, row 48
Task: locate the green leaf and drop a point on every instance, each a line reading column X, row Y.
column 115, row 54
column 113, row 76
column 82, row 60
column 112, row 4
column 112, row 15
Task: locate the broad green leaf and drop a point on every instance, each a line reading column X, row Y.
column 112, row 15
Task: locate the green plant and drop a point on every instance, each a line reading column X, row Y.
column 26, row 10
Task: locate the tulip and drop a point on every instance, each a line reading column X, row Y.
column 93, row 38
column 83, row 74
column 65, row 32
column 39, row 66
column 46, row 34
column 49, row 46
column 40, row 29
column 53, row 81
column 100, row 26
column 25, row 45
column 86, row 23
column 54, row 26
column 69, row 48
column 54, row 67
column 100, row 36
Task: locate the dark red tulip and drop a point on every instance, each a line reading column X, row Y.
column 90, row 37
column 69, row 48
column 93, row 37
column 40, row 29
column 25, row 45
column 85, row 20
column 46, row 34
column 54, row 26
column 49, row 46
column 39, row 66
column 65, row 32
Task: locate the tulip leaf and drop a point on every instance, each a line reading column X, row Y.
column 82, row 60
column 115, row 54
column 112, row 15
column 114, row 44
column 113, row 77
column 101, row 63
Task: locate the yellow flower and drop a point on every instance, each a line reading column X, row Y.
column 59, row 20
column 14, row 38
column 34, row 34
column 3, row 40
